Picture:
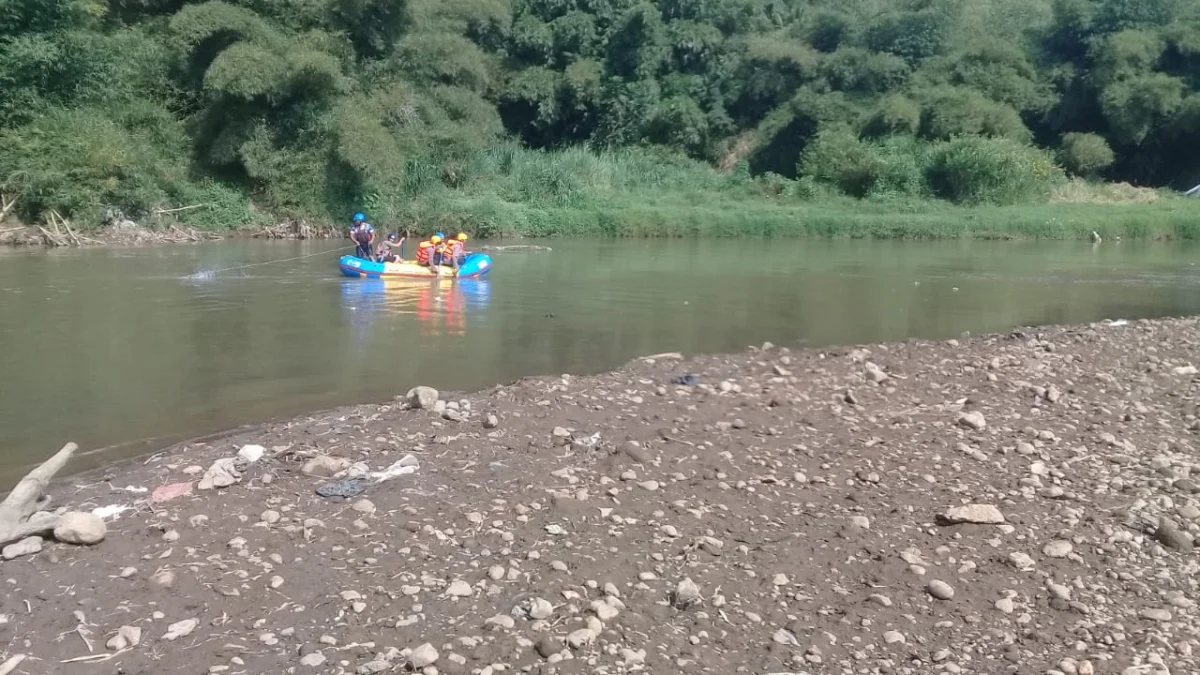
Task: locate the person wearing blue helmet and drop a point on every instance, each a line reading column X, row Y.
column 363, row 235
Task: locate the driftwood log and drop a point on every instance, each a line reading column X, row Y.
column 22, row 513
column 516, row 247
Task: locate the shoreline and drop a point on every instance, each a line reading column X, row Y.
column 790, row 510
column 1161, row 220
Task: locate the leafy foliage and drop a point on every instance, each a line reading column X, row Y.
column 310, row 108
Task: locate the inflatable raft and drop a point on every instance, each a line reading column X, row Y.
column 476, row 265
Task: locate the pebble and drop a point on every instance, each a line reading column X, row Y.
column 1005, row 605
column 972, row 420
column 780, row 580
column 490, row 421
column 364, row 506
column 181, row 629
column 460, row 589
column 940, row 590
column 578, row 639
column 540, row 609
column 892, row 637
column 1021, row 561
column 501, row 620
column 312, row 660
column 548, row 646
column 1059, row 548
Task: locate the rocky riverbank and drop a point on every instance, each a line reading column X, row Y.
column 1007, row 504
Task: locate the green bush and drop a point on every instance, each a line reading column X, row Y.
column 1085, row 154
column 80, row 162
column 996, row 171
column 836, row 156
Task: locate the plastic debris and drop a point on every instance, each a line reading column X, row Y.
column 135, row 489
column 251, row 453
column 111, row 511
column 222, row 473
column 344, row 488
column 165, row 493
column 406, row 466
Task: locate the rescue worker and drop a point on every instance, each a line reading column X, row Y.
column 363, row 235
column 387, row 249
column 427, row 250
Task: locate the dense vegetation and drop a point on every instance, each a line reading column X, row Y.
column 477, row 111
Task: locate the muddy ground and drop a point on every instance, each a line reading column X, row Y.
column 786, row 512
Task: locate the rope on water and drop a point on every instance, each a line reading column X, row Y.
column 208, row 274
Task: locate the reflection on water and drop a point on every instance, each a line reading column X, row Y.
column 439, row 305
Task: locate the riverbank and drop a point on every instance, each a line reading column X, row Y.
column 778, row 511
column 62, row 235
column 698, row 215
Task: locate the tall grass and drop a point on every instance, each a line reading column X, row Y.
column 509, row 191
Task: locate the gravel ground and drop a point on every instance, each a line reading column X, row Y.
column 1006, row 504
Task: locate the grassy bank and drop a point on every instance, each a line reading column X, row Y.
column 511, row 192
column 677, row 217
column 507, row 191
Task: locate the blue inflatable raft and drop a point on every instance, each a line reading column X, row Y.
column 476, row 265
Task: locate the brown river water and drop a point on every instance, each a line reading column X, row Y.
column 114, row 349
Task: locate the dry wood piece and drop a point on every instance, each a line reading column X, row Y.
column 299, row 229
column 21, row 512
column 6, row 205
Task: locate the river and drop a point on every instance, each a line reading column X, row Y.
column 113, row 349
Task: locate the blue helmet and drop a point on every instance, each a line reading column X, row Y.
column 359, row 217
column 441, row 234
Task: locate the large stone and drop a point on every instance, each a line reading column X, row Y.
column 940, row 590
column 687, row 594
column 972, row 420
column 423, row 656
column 27, row 546
column 80, row 528
column 1169, row 535
column 422, row 397
column 978, row 514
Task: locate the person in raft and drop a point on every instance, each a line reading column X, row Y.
column 387, row 251
column 363, row 235
column 455, row 252
column 427, row 249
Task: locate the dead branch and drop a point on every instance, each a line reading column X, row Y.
column 11, row 664
column 57, row 218
column 21, row 512
column 6, row 205
column 182, row 208
column 50, row 238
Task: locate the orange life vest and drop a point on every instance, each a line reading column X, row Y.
column 424, row 250
column 454, row 249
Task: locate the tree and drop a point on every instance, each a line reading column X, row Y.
column 1085, row 154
